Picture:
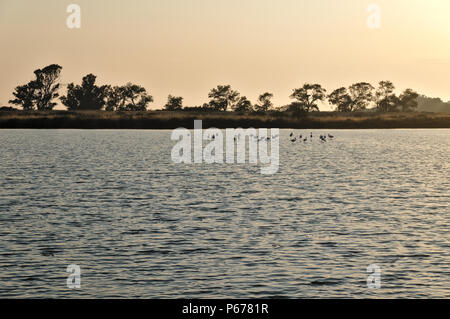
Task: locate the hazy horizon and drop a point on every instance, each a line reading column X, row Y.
column 185, row 48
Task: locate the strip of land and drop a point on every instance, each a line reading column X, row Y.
column 170, row 120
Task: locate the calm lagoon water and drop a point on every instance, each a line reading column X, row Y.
column 141, row 226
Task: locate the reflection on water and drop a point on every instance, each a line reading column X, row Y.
column 140, row 226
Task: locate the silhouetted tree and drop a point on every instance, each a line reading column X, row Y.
column 112, row 97
column 409, row 100
column 297, row 109
column 88, row 96
column 46, row 86
column 130, row 97
column 264, row 103
column 222, row 97
column 308, row 96
column 243, row 105
column 430, row 104
column 7, row 109
column 41, row 91
column 361, row 95
column 341, row 99
column 385, row 99
column 24, row 96
column 174, row 103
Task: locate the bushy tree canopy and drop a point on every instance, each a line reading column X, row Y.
column 361, row 95
column 409, row 100
column 264, row 103
column 222, row 97
column 174, row 103
column 40, row 92
column 86, row 96
column 341, row 100
column 243, row 105
column 308, row 96
column 130, row 97
column 385, row 99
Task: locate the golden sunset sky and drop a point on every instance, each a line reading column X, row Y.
column 186, row 47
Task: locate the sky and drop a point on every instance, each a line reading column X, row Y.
column 187, row 47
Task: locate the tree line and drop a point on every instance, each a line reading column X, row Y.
column 42, row 92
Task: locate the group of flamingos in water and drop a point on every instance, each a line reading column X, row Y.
column 292, row 136
column 323, row 138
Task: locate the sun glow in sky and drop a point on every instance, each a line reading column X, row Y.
column 186, row 47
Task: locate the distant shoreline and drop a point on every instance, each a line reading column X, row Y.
column 172, row 120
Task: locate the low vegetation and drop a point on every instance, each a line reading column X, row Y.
column 173, row 119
